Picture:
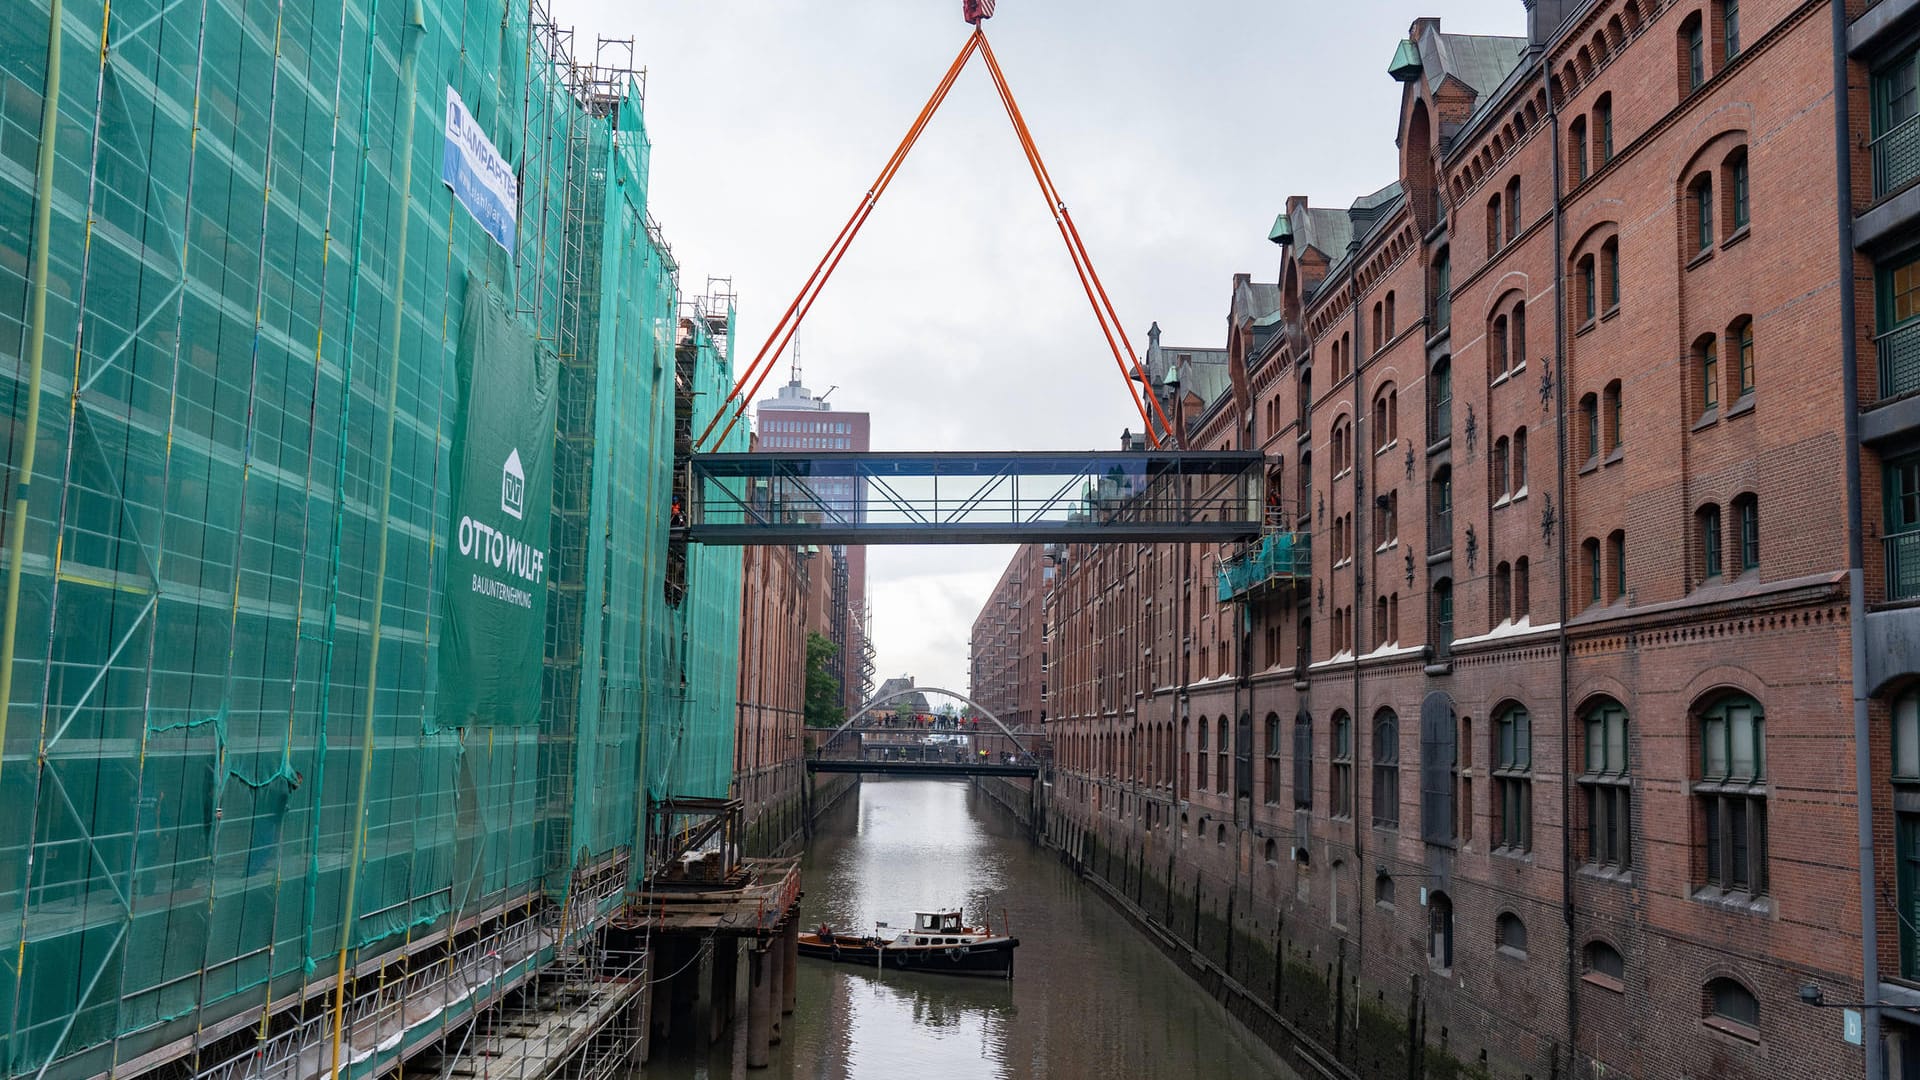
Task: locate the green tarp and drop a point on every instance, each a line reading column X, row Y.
column 496, row 594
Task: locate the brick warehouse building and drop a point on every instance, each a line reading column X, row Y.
column 1008, row 643
column 1586, row 459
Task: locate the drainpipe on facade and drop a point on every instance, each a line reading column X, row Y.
column 1560, row 636
column 1856, row 586
column 1360, row 419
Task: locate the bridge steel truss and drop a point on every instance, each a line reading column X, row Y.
column 942, row 497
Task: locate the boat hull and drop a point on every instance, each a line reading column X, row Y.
column 993, row 958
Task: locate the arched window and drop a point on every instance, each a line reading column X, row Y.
column 1589, row 289
column 1603, row 128
column 1729, row 1001
column 1440, row 931
column 1302, row 760
column 1223, row 746
column 1577, row 147
column 1185, row 756
column 1442, row 290
column 1440, row 500
column 1732, row 796
column 1604, row 961
column 1389, row 333
column 1200, row 776
column 1514, row 219
column 1693, row 55
column 1520, row 462
column 1513, row 781
column 1707, row 522
column 1733, row 186
column 1273, row 852
column 1494, row 220
column 1512, row 934
column 1220, row 835
column 1522, row 590
column 1386, row 769
column 1386, row 417
column 1590, row 425
column 1746, row 523
column 1342, row 765
column 1440, row 402
column 1273, row 759
column 1497, row 358
column 1443, row 614
column 1383, row 889
column 1700, row 203
column 1595, row 574
column 1612, row 397
column 1610, row 271
column 1607, row 786
column 1617, row 556
column 1706, row 363
column 1499, row 485
column 1517, row 337
column 1740, row 355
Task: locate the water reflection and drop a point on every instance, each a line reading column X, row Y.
column 1090, row 997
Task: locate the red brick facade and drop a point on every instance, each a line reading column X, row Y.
column 1546, row 759
column 1009, row 643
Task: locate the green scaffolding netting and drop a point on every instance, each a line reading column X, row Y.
column 244, row 485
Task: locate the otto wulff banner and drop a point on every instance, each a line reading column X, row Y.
column 480, row 178
column 496, row 590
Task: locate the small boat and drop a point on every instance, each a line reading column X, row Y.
column 940, row 941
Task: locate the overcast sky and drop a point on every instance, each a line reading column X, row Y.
column 1175, row 132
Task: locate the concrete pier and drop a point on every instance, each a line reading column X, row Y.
column 726, row 965
column 790, row 954
column 759, row 1009
column 776, row 986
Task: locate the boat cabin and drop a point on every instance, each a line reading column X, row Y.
column 938, row 922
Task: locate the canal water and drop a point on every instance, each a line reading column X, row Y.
column 1090, row 998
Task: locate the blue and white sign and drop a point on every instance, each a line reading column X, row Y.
column 480, row 178
column 1850, row 1025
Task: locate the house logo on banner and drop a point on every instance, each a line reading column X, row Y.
column 480, row 178
column 513, row 486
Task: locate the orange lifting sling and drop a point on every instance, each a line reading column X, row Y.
column 976, row 12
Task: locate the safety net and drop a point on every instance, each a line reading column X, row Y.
column 292, row 326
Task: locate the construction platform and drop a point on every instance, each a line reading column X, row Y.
column 754, row 900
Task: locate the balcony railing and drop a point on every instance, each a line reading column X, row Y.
column 1440, row 532
column 1280, row 558
column 1903, row 565
column 1899, row 353
column 1896, row 156
column 1440, row 420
